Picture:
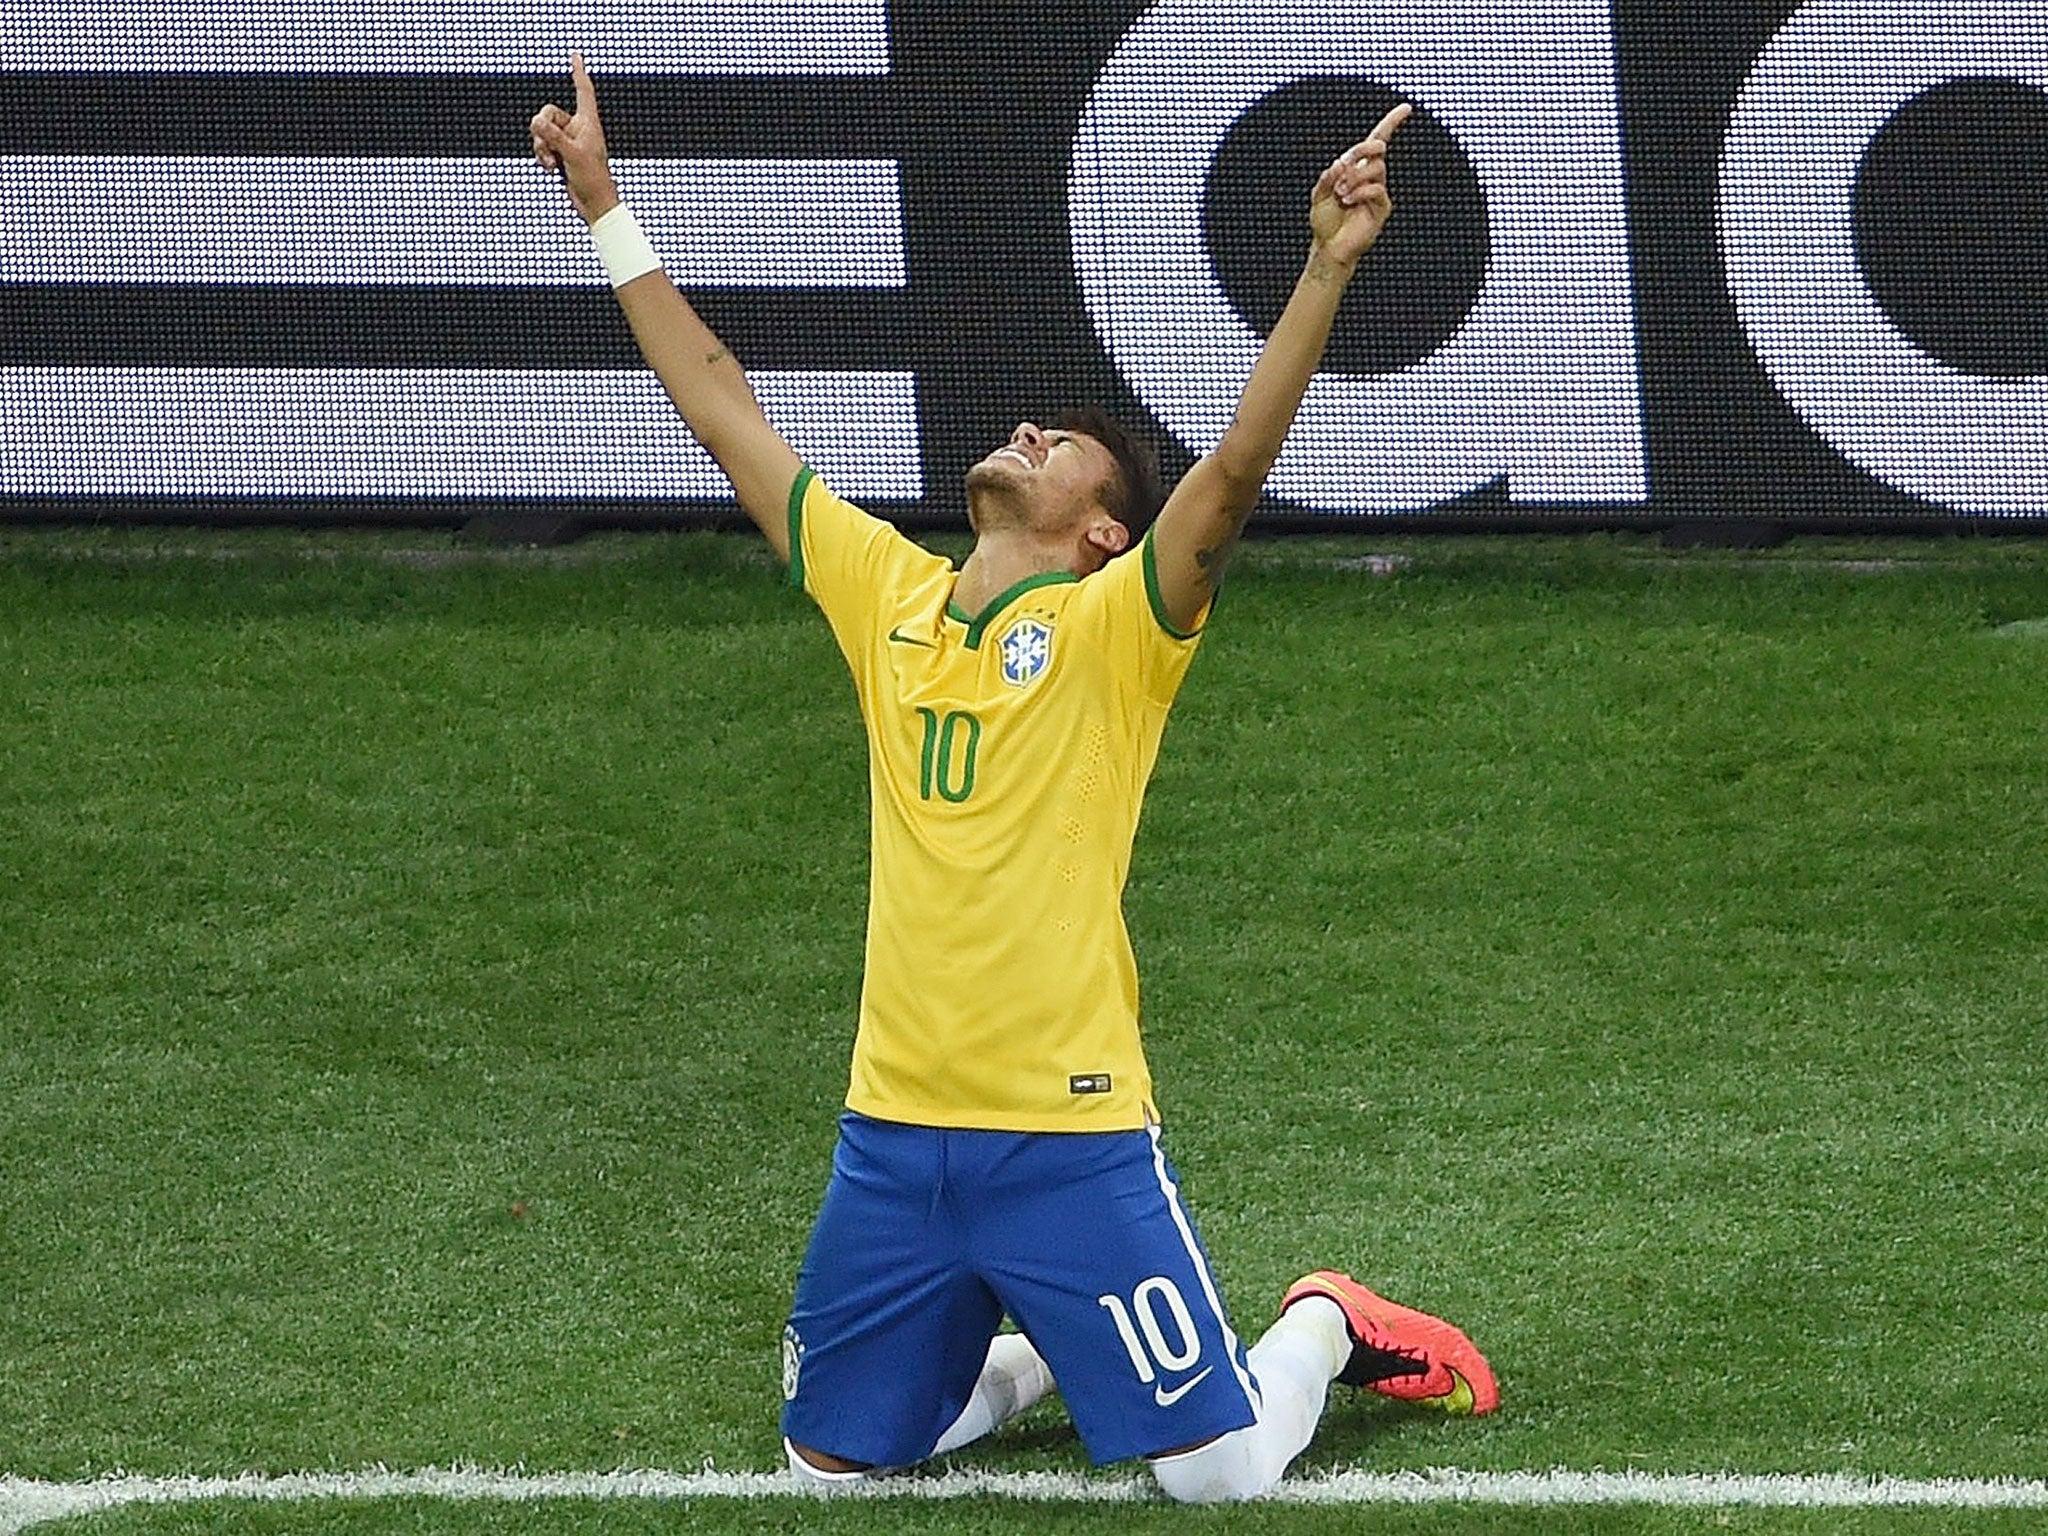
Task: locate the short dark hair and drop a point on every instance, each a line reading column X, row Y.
column 1134, row 496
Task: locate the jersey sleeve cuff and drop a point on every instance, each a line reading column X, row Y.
column 804, row 476
column 1158, row 602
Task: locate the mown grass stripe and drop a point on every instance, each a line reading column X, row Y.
column 25, row 1503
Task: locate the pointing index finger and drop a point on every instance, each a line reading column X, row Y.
column 586, row 93
column 1393, row 120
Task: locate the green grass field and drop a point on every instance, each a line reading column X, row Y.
column 428, row 978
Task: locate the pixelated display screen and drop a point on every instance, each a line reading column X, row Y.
column 1649, row 262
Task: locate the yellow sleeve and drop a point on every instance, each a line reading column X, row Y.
column 1124, row 605
column 849, row 561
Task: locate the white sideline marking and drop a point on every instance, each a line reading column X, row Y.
column 25, row 1502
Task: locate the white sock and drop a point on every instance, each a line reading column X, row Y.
column 1294, row 1363
column 1013, row 1378
column 816, row 1479
column 1322, row 1318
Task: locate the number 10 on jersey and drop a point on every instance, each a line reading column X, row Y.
column 946, row 766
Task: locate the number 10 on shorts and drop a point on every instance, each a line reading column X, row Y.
column 1145, row 1335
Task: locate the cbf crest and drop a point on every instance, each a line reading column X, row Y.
column 792, row 1361
column 1027, row 648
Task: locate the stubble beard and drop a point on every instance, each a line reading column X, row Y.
column 995, row 499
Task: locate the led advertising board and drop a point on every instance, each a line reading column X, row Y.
column 1650, row 262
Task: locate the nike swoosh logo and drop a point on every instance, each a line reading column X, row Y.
column 897, row 637
column 1166, row 1399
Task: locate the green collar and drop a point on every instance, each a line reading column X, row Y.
column 977, row 625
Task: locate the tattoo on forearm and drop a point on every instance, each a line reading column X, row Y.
column 1325, row 273
column 713, row 358
column 1214, row 559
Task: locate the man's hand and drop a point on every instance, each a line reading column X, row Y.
column 1350, row 204
column 574, row 147
column 1200, row 523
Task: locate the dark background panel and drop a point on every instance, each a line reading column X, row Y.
column 1952, row 225
column 1003, row 336
column 457, row 114
column 1723, row 443
column 979, row 110
column 1429, row 265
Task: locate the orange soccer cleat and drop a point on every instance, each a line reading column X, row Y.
column 1401, row 1353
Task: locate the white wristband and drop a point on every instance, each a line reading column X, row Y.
column 621, row 246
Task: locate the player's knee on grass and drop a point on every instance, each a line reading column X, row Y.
column 1229, row 1469
column 822, row 1480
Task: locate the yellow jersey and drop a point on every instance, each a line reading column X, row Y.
column 1008, row 753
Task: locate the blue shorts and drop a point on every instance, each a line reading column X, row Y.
column 928, row 1237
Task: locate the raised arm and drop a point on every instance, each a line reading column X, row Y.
column 702, row 378
column 1200, row 523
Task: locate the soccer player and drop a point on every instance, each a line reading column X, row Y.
column 1000, row 1153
